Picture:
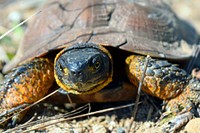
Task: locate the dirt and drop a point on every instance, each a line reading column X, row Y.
column 117, row 121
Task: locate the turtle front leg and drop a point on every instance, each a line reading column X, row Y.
column 187, row 103
column 24, row 85
column 167, row 82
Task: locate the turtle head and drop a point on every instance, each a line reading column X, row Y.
column 83, row 68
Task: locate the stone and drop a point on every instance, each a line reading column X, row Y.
column 193, row 126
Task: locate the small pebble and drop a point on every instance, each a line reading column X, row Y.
column 193, row 126
column 120, row 130
column 196, row 73
column 148, row 124
column 99, row 129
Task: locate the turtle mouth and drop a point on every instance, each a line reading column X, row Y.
column 83, row 68
column 92, row 89
column 84, row 87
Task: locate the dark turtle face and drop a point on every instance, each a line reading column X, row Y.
column 83, row 68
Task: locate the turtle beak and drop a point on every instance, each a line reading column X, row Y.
column 79, row 85
column 77, row 74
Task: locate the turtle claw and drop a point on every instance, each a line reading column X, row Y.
column 177, row 122
column 16, row 118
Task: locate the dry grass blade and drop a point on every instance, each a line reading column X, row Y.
column 2, row 36
column 193, row 60
column 63, row 118
column 140, row 86
column 30, row 106
column 49, row 119
column 139, row 91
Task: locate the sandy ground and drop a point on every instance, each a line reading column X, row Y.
column 117, row 121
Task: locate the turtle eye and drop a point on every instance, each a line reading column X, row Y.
column 96, row 62
column 97, row 65
column 60, row 67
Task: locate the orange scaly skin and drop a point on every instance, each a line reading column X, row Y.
column 170, row 83
column 186, row 99
column 163, row 80
column 26, row 83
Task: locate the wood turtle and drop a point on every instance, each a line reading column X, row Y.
column 84, row 46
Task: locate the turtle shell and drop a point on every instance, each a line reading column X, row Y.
column 138, row 26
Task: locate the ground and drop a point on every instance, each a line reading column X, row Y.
column 117, row 121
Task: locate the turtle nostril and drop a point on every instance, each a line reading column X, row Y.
column 74, row 73
column 78, row 73
column 77, row 76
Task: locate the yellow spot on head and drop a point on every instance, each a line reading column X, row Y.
column 66, row 72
